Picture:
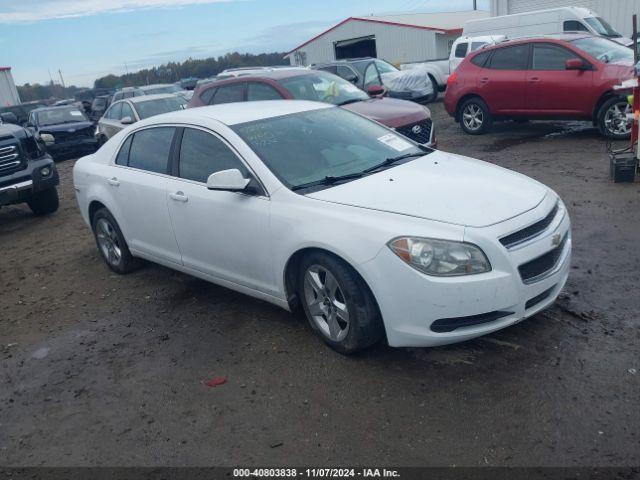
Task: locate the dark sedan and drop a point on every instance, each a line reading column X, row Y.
column 63, row 130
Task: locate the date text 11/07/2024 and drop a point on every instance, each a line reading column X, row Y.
column 315, row 473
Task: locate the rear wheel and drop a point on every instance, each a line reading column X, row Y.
column 111, row 243
column 434, row 85
column 338, row 304
column 45, row 202
column 475, row 117
column 612, row 118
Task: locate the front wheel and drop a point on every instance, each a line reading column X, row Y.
column 475, row 117
column 45, row 202
column 612, row 118
column 338, row 304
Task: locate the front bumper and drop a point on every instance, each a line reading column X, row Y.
column 21, row 185
column 76, row 145
column 418, row 309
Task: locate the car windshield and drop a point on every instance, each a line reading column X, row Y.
column 149, row 108
column 601, row 26
column 604, row 50
column 323, row 87
column 163, row 89
column 60, row 115
column 310, row 146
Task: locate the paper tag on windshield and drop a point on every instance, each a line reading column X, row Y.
column 395, row 142
column 75, row 113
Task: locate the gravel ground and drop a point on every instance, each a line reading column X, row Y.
column 100, row 369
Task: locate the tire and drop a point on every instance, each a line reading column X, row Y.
column 434, row 95
column 481, row 121
column 611, row 119
column 111, row 243
column 346, row 316
column 45, row 202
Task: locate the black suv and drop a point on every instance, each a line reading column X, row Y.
column 27, row 173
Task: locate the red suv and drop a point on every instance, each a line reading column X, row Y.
column 567, row 76
column 407, row 118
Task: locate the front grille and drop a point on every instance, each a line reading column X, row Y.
column 450, row 324
column 62, row 137
column 531, row 231
column 418, row 132
column 532, row 302
column 539, row 267
column 9, row 159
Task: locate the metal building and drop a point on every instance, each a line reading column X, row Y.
column 617, row 12
column 8, row 90
column 410, row 37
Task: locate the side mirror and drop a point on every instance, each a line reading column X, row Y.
column 575, row 64
column 376, row 90
column 126, row 120
column 231, row 180
column 9, row 117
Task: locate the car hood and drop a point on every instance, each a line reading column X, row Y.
column 442, row 187
column 65, row 127
column 390, row 112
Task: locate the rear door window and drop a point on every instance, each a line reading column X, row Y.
column 480, row 59
column 202, row 154
column 510, row 58
column 207, row 95
column 229, row 94
column 550, row 57
column 261, row 91
column 150, row 149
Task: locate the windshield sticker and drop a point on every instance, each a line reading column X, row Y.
column 395, row 142
column 75, row 113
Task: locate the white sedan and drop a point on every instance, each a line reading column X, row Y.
column 308, row 205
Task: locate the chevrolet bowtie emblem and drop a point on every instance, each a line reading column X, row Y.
column 555, row 240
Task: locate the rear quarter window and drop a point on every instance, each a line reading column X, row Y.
column 480, row 59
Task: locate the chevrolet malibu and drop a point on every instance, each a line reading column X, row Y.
column 306, row 205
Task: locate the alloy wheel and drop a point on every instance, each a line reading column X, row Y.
column 473, row 117
column 326, row 303
column 108, row 241
column 615, row 119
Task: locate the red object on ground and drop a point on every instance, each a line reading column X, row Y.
column 214, row 382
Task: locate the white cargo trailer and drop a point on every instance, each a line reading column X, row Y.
column 8, row 90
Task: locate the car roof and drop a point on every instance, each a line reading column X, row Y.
column 566, row 37
column 146, row 98
column 157, row 85
column 279, row 74
column 241, row 112
column 56, row 107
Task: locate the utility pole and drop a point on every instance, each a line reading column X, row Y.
column 61, row 79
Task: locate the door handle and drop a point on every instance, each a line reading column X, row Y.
column 114, row 182
column 534, row 79
column 484, row 80
column 179, row 197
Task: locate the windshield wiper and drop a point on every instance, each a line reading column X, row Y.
column 392, row 160
column 328, row 180
column 347, row 102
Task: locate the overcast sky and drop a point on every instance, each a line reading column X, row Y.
column 90, row 38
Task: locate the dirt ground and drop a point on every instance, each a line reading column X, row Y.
column 101, row 369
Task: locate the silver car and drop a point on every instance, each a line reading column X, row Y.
column 125, row 112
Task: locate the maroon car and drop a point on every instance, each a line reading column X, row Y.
column 565, row 76
column 407, row 118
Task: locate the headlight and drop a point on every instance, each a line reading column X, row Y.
column 442, row 258
column 47, row 138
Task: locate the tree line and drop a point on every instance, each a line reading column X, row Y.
column 201, row 68
column 168, row 73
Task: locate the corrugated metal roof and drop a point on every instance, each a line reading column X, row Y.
column 442, row 22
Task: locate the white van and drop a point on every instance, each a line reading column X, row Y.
column 544, row 22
